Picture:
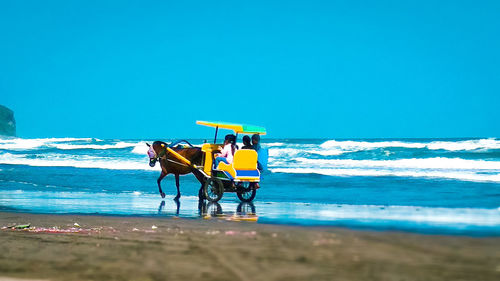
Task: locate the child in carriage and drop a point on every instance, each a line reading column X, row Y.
column 227, row 152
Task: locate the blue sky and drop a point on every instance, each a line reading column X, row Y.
column 331, row 69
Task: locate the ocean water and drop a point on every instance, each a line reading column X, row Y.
column 449, row 186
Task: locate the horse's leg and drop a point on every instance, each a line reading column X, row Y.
column 199, row 176
column 201, row 193
column 177, row 184
column 162, row 175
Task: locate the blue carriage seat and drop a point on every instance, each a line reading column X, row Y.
column 243, row 168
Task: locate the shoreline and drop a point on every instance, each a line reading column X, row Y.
column 476, row 231
column 172, row 248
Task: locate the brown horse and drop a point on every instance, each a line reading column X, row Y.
column 172, row 165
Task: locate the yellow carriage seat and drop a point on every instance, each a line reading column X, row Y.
column 244, row 166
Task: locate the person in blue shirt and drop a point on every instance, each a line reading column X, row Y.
column 256, row 146
column 256, row 142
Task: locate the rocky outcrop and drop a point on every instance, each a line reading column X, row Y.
column 7, row 122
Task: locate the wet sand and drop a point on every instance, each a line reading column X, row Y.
column 130, row 248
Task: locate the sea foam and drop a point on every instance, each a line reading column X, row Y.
column 479, row 144
column 117, row 145
column 334, row 158
column 463, row 216
column 413, row 163
column 81, row 161
column 23, row 144
column 455, row 175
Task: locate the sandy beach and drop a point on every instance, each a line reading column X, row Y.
column 73, row 247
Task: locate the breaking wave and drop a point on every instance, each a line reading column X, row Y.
column 346, row 158
column 81, row 161
column 23, row 144
column 421, row 163
column 479, row 144
column 117, row 145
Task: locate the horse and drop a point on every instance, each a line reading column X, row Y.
column 172, row 165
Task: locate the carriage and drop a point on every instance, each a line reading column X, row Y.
column 242, row 176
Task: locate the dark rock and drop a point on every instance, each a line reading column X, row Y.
column 7, row 122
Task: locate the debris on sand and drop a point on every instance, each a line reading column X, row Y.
column 17, row 226
column 54, row 229
column 245, row 233
column 324, row 241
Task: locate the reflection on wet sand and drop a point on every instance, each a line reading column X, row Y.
column 244, row 212
column 162, row 206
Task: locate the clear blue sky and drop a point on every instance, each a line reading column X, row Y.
column 332, row 69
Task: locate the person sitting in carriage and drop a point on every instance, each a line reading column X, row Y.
column 263, row 153
column 227, row 152
column 246, row 143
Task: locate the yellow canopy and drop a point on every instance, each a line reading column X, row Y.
column 237, row 128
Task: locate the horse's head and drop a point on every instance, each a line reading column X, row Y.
column 153, row 156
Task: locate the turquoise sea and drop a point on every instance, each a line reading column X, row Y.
column 445, row 186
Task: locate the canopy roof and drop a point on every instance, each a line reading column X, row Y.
column 237, row 128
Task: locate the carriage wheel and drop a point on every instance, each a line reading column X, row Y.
column 213, row 189
column 246, row 191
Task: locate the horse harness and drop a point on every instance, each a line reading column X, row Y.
column 165, row 153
